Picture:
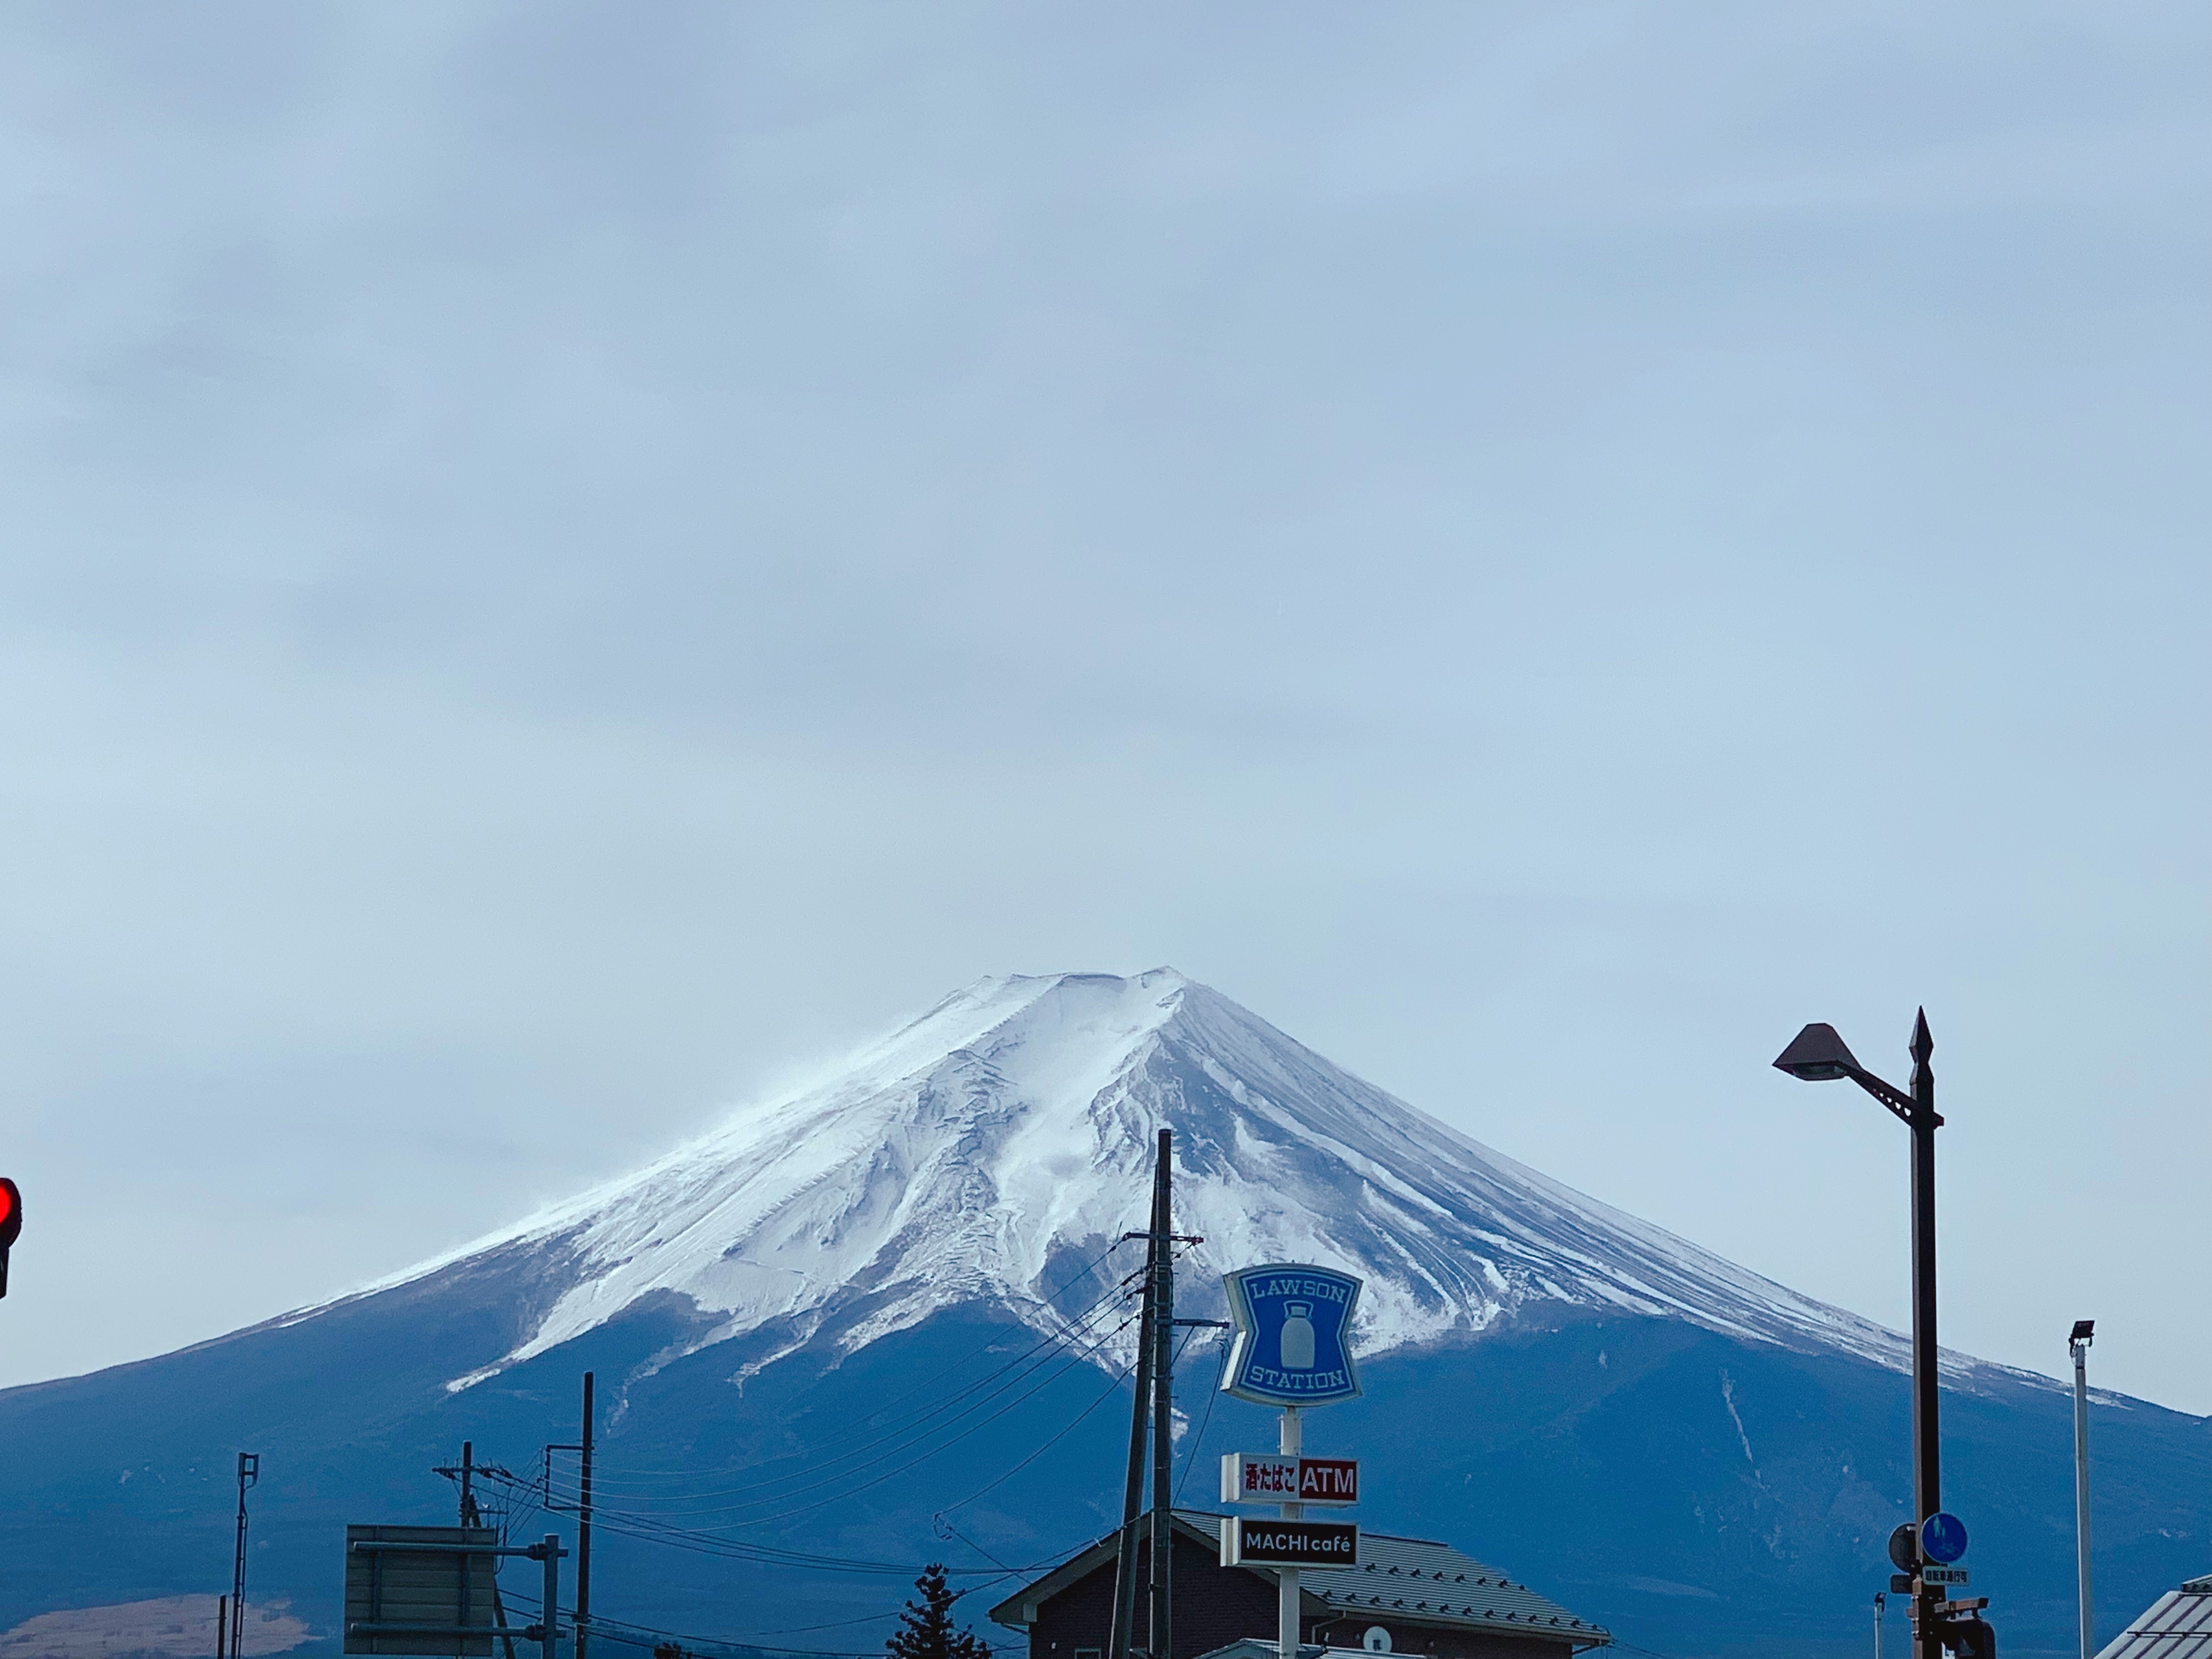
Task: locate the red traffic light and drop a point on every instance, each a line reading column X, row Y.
column 11, row 1223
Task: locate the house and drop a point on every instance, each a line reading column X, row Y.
column 2177, row 1625
column 1408, row 1595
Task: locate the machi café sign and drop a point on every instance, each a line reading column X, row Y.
column 1246, row 1542
column 1293, row 1340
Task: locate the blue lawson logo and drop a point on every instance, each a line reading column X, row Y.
column 1292, row 1346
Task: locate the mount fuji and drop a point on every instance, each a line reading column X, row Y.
column 878, row 1320
column 972, row 1156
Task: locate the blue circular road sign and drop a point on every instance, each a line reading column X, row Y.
column 1944, row 1537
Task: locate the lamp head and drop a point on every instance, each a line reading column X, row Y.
column 1817, row 1055
column 2083, row 1330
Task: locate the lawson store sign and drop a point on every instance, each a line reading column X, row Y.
column 1293, row 1341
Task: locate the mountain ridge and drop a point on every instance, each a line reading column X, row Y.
column 1678, row 1446
column 1004, row 1134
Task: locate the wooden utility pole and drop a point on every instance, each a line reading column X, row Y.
column 584, row 1532
column 1133, row 1490
column 1162, row 1619
column 1155, row 1400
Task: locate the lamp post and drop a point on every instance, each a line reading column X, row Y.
column 2078, row 1345
column 1818, row 1055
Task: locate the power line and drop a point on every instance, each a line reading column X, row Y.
column 1197, row 1441
column 656, row 1528
column 1007, row 1376
column 641, row 1477
column 647, row 1636
column 1111, row 1390
column 764, row 1554
column 838, row 1478
column 1090, row 1267
column 1021, row 1377
column 620, row 1630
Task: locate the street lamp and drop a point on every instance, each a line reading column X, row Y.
column 2078, row 1345
column 1819, row 1056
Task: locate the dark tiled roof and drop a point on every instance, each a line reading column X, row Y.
column 1424, row 1579
column 2177, row 1625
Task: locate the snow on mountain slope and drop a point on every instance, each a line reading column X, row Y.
column 995, row 1147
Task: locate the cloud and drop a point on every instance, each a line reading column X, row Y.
column 555, row 563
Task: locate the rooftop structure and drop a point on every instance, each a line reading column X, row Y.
column 2177, row 1625
column 1408, row 1595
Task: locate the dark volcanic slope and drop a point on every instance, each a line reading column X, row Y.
column 1667, row 1443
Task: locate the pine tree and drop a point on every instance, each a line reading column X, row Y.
column 926, row 1631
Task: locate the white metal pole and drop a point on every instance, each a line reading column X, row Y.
column 551, row 1594
column 2081, row 1346
column 1286, row 1595
column 1880, row 1606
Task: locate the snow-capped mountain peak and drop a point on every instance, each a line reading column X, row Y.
column 994, row 1147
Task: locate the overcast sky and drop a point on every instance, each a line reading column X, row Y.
column 562, row 561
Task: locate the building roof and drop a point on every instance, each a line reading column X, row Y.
column 2177, row 1625
column 1404, row 1578
column 1423, row 1579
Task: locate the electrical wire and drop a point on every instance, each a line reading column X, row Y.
column 1006, row 1376
column 1197, row 1441
column 764, row 1554
column 636, row 1635
column 1080, row 1358
column 635, row 1476
column 647, row 1636
column 655, row 1528
column 1075, row 1345
column 1111, row 1390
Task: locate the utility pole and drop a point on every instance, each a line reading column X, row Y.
column 2078, row 1344
column 584, row 1533
column 473, row 1517
column 582, row 1445
column 249, row 1475
column 1162, row 1619
column 1133, row 1490
column 549, row 1634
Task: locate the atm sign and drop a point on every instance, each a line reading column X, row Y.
column 1253, row 1478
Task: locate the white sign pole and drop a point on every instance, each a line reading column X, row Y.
column 1286, row 1602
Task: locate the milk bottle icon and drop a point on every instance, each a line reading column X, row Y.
column 1297, row 1336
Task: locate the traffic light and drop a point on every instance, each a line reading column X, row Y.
column 1969, row 1636
column 11, row 1223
